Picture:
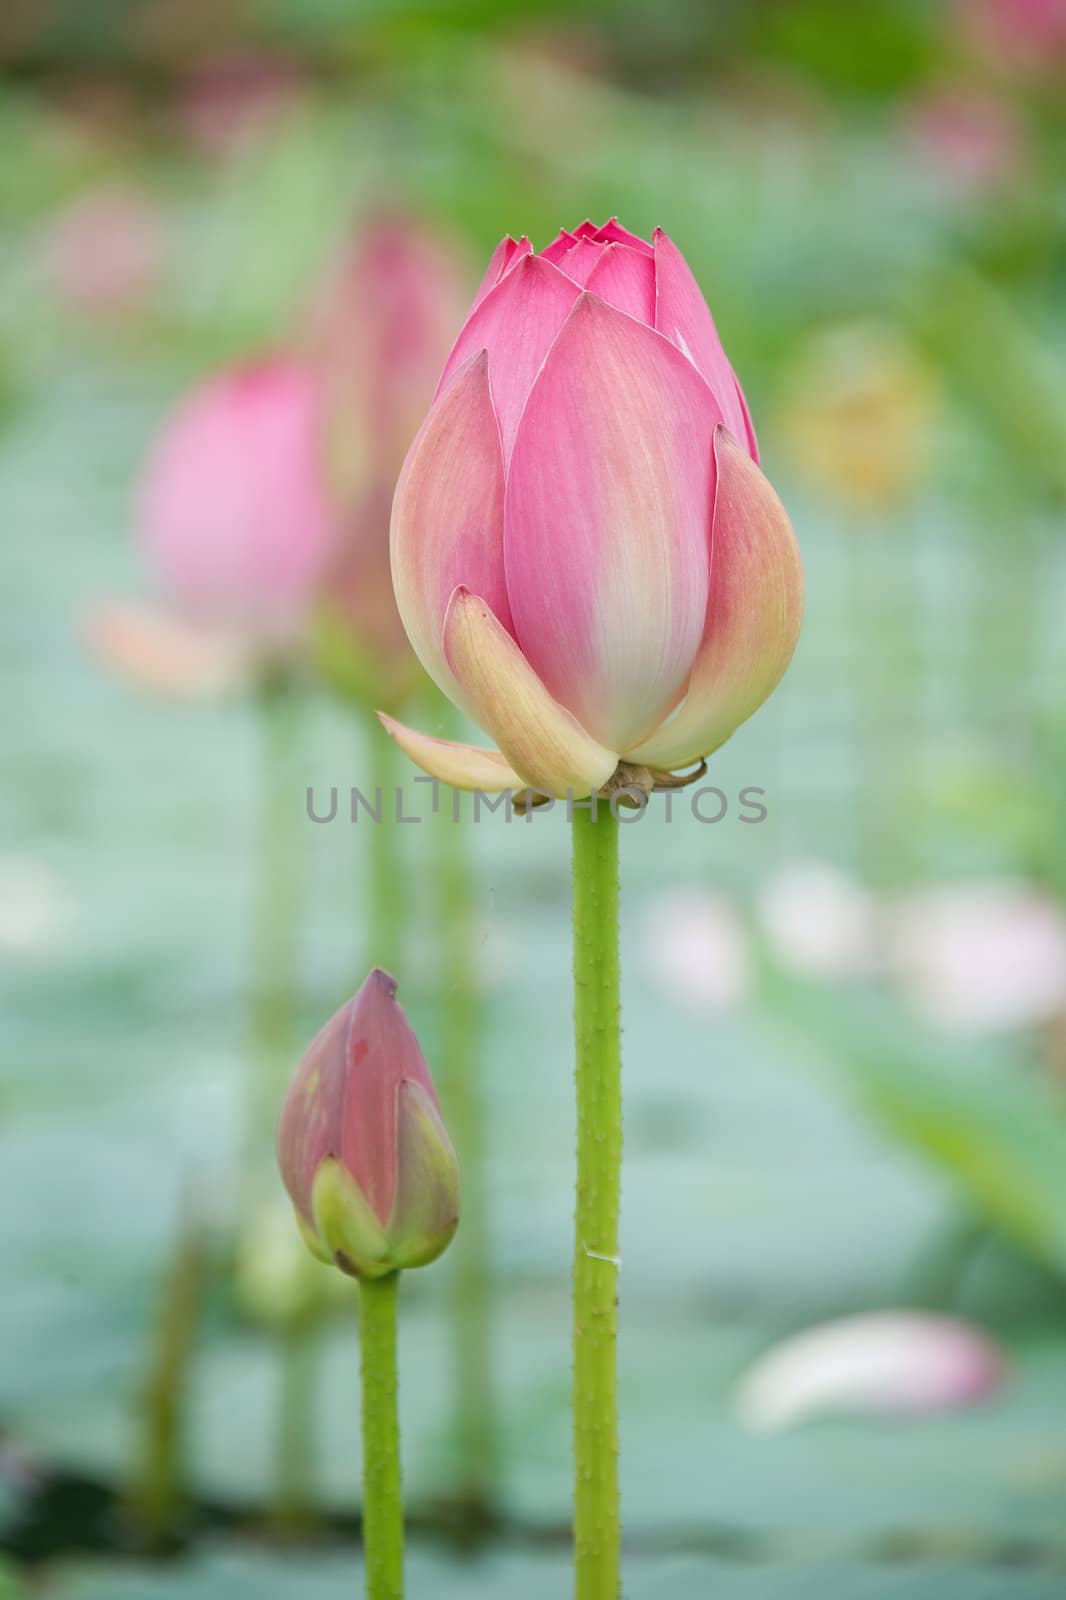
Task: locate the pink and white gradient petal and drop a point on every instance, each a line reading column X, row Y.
column 683, row 317
column 541, row 740
column 753, row 615
column 447, row 518
column 463, row 766
column 515, row 324
column 607, row 522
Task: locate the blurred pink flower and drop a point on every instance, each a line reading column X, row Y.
column 886, row 1363
column 970, row 136
column 1026, row 36
column 696, row 947
column 104, row 252
column 980, row 958
column 232, row 99
column 160, row 652
column 378, row 334
column 553, row 525
column 819, row 921
column 234, row 518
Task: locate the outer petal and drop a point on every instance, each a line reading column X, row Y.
column 581, row 262
column 626, row 279
column 464, row 766
column 516, row 324
column 753, row 615
column 607, row 523
column 539, row 737
column 503, row 258
column 447, row 517
column 559, row 246
column 681, row 313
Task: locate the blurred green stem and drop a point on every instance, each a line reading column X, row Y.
column 386, row 900
column 154, row 1497
column 382, row 1495
column 599, row 1161
column 459, row 1078
column 296, row 1435
column 272, row 1020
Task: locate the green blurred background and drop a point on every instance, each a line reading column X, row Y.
column 845, row 1028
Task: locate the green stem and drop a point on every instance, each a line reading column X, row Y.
column 459, row 1078
column 386, row 899
column 382, row 1497
column 599, row 1163
column 296, row 1433
column 272, row 1024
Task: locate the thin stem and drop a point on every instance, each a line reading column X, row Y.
column 382, row 1497
column 296, row 1432
column 459, row 1078
column 599, row 1162
column 386, row 897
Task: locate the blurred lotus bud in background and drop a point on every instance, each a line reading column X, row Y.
column 696, row 947
column 1027, row 37
column 378, row 335
column 888, row 1363
column 234, row 518
column 278, row 1284
column 854, row 415
column 104, row 252
column 166, row 655
column 362, row 1149
column 980, row 958
column 968, row 135
column 230, row 100
column 819, row 921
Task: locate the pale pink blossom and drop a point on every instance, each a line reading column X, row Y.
column 819, row 921
column 104, row 252
column 696, row 946
column 587, row 558
column 980, row 958
column 884, row 1363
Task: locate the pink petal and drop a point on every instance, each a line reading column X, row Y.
column 586, row 230
column 753, row 614
column 559, row 247
column 874, row 1364
column 447, row 517
column 607, row 523
column 516, row 324
column 625, row 279
column 581, row 262
column 539, row 737
column 503, row 258
column 613, row 232
column 683, row 317
column 463, row 766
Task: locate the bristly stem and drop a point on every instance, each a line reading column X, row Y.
column 459, row 1079
column 599, row 1161
column 382, row 1496
column 386, row 888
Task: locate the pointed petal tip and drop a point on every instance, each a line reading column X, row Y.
column 382, row 981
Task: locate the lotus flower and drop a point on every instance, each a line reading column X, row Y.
column 586, row 556
column 234, row 515
column 362, row 1149
column 878, row 1363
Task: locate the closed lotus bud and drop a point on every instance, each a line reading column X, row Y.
column 379, row 334
column 586, row 556
column 362, row 1148
column 880, row 1363
column 234, row 516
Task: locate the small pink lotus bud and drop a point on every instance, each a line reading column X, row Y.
column 362, row 1148
column 586, row 556
column 878, row 1363
column 104, row 251
column 234, row 516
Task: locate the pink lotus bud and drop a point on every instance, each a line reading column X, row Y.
column 880, row 1363
column 362, row 1149
column 234, row 517
column 379, row 334
column 586, row 556
column 104, row 251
